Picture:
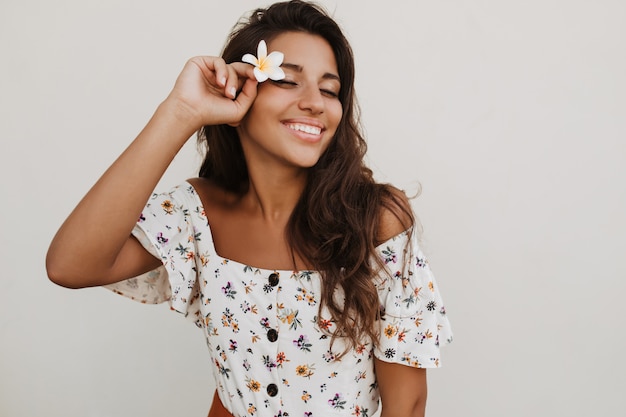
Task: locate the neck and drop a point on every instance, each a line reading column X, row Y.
column 274, row 192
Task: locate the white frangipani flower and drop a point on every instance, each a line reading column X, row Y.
column 266, row 66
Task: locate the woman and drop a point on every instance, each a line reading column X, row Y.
column 302, row 271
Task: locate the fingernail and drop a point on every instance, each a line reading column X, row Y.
column 233, row 91
column 223, row 81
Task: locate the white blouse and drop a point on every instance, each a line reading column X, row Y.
column 270, row 355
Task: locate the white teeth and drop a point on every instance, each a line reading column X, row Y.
column 313, row 130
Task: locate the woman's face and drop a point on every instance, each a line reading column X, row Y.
column 292, row 121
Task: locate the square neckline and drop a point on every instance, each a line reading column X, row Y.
column 227, row 261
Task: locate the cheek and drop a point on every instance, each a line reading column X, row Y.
column 335, row 113
column 256, row 112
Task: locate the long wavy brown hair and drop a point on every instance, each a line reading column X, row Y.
column 335, row 224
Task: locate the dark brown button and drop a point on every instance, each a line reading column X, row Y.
column 273, row 279
column 272, row 390
column 272, row 335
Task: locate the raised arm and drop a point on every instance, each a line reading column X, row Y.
column 94, row 245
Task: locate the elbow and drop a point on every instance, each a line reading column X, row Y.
column 60, row 273
column 62, row 282
column 61, row 279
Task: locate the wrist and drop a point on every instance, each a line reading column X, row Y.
column 185, row 115
column 171, row 124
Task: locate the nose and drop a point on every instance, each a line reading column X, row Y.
column 311, row 100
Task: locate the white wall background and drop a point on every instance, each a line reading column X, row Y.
column 511, row 115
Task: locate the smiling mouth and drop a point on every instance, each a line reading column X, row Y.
column 299, row 127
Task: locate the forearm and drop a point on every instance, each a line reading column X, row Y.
column 93, row 246
column 99, row 227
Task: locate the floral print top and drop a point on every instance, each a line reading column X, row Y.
column 270, row 352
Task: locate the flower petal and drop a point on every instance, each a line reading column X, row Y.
column 265, row 66
column 260, row 75
column 250, row 59
column 275, row 73
column 261, row 51
column 275, row 59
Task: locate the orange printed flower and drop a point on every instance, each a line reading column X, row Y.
column 290, row 317
column 167, row 206
column 305, row 370
column 416, row 292
column 301, row 370
column 253, row 385
column 281, row 358
column 325, row 324
column 402, row 336
column 390, row 331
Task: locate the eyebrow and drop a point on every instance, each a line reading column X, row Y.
column 298, row 68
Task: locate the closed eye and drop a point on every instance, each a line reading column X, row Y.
column 284, row 82
column 330, row 93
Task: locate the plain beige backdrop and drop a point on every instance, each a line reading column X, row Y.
column 510, row 114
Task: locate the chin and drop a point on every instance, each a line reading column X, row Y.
column 309, row 163
column 305, row 161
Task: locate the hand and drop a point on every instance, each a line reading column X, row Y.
column 210, row 92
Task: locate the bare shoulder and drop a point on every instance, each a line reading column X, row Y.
column 211, row 194
column 396, row 214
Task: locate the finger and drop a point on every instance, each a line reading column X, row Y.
column 213, row 69
column 232, row 83
column 221, row 71
column 244, row 70
column 247, row 95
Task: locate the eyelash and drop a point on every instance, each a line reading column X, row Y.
column 329, row 93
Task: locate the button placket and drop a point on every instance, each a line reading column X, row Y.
column 272, row 334
column 273, row 279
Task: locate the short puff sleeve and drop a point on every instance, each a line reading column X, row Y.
column 166, row 230
column 413, row 322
